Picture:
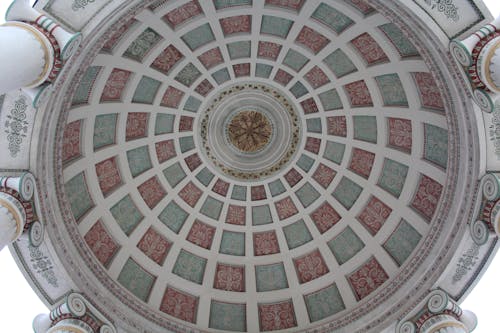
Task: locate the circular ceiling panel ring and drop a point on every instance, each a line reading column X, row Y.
column 249, row 159
column 336, row 212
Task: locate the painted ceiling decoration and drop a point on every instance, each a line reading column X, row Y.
column 338, row 191
column 261, row 165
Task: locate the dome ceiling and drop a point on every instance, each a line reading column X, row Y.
column 255, row 167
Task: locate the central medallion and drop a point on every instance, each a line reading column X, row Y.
column 249, row 131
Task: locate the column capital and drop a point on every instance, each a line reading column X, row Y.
column 439, row 313
column 488, row 222
column 479, row 55
column 75, row 314
column 23, row 184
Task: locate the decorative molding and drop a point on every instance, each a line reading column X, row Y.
column 443, row 12
column 487, row 254
column 77, row 14
column 23, row 257
column 277, row 151
column 494, row 131
column 445, row 6
column 466, row 263
column 42, row 265
column 16, row 125
column 80, row 4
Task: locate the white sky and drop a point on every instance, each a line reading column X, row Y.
column 19, row 304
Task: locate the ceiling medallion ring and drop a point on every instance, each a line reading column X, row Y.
column 250, row 131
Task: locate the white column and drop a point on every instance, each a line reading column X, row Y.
column 489, row 65
column 12, row 219
column 443, row 324
column 13, row 215
column 71, row 326
column 26, row 58
column 34, row 48
column 43, row 324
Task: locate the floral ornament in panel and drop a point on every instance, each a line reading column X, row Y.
column 310, row 266
column 367, row 278
column 230, row 278
column 265, row 243
column 277, row 316
column 179, row 305
column 155, row 246
column 427, row 197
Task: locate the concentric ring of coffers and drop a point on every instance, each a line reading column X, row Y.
column 308, row 223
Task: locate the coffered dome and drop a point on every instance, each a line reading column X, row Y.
column 257, row 166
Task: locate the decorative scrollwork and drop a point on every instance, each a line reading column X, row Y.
column 491, row 187
column 466, row 262
column 438, row 301
column 80, row 4
column 16, row 125
column 36, row 232
column 107, row 329
column 27, row 186
column 483, row 100
column 446, row 7
column 76, row 304
column 494, row 131
column 43, row 266
column 407, row 327
column 460, row 52
column 479, row 232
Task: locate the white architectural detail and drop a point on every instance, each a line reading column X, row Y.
column 24, row 184
column 20, row 10
column 13, row 215
column 373, row 202
column 74, row 315
column 29, row 57
column 480, row 54
column 488, row 222
column 11, row 220
column 440, row 315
